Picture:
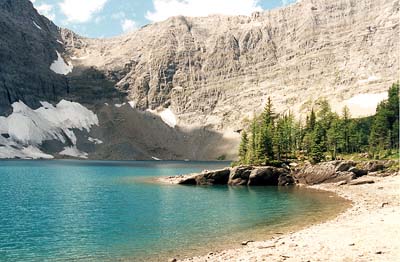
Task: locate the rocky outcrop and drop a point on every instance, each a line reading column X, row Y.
column 343, row 172
column 325, row 172
column 241, row 175
column 216, row 177
column 336, row 171
column 266, row 176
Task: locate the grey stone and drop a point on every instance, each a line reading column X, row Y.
column 344, row 166
column 358, row 172
column 266, row 176
column 239, row 175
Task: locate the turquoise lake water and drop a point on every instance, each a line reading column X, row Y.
column 109, row 211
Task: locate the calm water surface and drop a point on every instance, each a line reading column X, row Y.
column 108, row 211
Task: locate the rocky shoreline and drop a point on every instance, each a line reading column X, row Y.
column 338, row 171
column 368, row 231
column 365, row 232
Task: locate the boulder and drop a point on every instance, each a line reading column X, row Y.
column 285, row 180
column 266, row 176
column 344, row 166
column 358, row 172
column 341, row 176
column 191, row 180
column 373, row 166
column 239, row 175
column 315, row 174
column 326, row 172
column 215, row 177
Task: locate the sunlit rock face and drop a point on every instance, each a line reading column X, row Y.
column 217, row 70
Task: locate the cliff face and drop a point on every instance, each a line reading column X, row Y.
column 28, row 46
column 207, row 75
column 217, row 70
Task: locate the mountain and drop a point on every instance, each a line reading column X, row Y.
column 214, row 70
column 28, row 42
column 181, row 88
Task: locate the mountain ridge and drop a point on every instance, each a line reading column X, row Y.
column 208, row 74
column 197, row 68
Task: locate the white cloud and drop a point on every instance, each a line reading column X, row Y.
column 81, row 11
column 128, row 25
column 167, row 8
column 46, row 10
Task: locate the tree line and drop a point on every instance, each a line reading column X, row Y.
column 273, row 138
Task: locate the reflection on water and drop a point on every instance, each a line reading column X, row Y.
column 102, row 210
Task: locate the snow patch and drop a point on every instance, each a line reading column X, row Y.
column 30, row 152
column 60, row 42
column 37, row 26
column 132, row 104
column 364, row 104
column 155, row 158
column 35, row 153
column 60, row 67
column 119, row 105
column 27, row 128
column 95, row 140
column 73, row 152
column 168, row 117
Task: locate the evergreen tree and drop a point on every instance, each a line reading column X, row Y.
column 346, row 128
column 378, row 139
column 267, row 131
column 311, row 121
column 317, row 147
column 252, row 151
column 268, row 115
column 244, row 143
column 393, row 114
column 334, row 137
column 276, row 137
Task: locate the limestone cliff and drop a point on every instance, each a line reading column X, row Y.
column 217, row 70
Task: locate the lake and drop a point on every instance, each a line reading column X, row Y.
column 63, row 210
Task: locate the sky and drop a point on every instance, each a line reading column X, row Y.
column 107, row 18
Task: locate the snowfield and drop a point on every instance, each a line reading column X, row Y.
column 60, row 67
column 74, row 152
column 364, row 104
column 168, row 117
column 25, row 129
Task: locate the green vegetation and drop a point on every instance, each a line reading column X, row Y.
column 273, row 138
column 221, row 158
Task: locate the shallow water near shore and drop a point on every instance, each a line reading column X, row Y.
column 106, row 211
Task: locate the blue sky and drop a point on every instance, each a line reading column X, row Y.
column 106, row 18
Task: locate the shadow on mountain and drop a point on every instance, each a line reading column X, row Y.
column 128, row 133
column 89, row 86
